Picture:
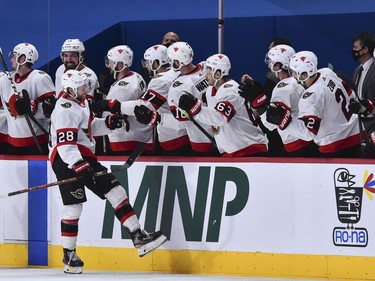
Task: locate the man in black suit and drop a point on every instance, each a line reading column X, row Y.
column 364, row 77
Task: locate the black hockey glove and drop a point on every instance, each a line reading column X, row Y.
column 279, row 115
column 116, row 121
column 146, row 116
column 113, row 106
column 84, row 173
column 364, row 107
column 48, row 106
column 252, row 92
column 23, row 105
column 190, row 104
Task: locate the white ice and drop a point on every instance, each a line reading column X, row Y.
column 26, row 274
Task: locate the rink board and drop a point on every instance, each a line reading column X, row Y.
column 292, row 219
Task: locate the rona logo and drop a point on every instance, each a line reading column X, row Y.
column 164, row 195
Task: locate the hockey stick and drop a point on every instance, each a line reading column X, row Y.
column 132, row 157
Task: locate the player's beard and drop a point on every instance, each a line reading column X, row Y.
column 70, row 65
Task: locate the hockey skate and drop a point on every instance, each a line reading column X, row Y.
column 73, row 264
column 147, row 242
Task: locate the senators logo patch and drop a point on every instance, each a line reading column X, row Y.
column 176, row 84
column 41, row 72
column 87, row 74
column 78, row 193
column 157, row 76
column 281, row 84
column 228, row 85
column 66, row 105
column 123, row 83
column 306, row 95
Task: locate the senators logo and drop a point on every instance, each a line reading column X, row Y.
column 176, row 84
column 281, row 85
column 306, row 95
column 228, row 85
column 66, row 105
column 79, row 194
column 122, row 83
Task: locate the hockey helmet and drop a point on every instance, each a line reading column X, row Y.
column 303, row 62
column 156, row 53
column 181, row 52
column 279, row 54
column 28, row 50
column 75, row 80
column 219, row 63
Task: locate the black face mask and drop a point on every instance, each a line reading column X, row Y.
column 356, row 55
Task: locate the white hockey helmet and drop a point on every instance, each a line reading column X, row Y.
column 303, row 62
column 219, row 62
column 73, row 45
column 28, row 50
column 181, row 52
column 121, row 53
column 156, row 53
column 75, row 80
column 279, row 54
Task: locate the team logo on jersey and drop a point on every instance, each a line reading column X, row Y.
column 176, row 84
column 41, row 72
column 78, row 193
column 281, row 84
column 123, row 83
column 306, row 95
column 66, row 105
column 215, row 130
column 228, row 85
column 158, row 75
column 87, row 74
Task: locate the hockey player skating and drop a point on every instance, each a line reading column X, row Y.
column 225, row 112
column 72, row 155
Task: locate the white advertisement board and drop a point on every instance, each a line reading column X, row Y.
column 244, row 207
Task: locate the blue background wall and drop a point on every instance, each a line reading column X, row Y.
column 325, row 27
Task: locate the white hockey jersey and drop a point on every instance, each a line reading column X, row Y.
column 90, row 74
column 39, row 85
column 288, row 92
column 130, row 88
column 324, row 109
column 72, row 131
column 155, row 98
column 234, row 134
column 196, row 84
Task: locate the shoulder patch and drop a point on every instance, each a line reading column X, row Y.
column 306, row 95
column 66, row 105
column 157, row 76
column 41, row 72
column 87, row 74
column 281, row 84
column 228, row 85
column 176, row 84
column 123, row 83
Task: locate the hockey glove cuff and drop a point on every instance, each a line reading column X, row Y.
column 113, row 106
column 116, row 121
column 84, row 172
column 146, row 116
column 279, row 115
column 190, row 104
